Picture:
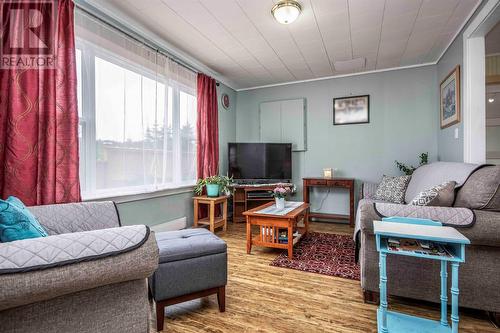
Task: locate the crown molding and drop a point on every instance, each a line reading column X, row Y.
column 339, row 76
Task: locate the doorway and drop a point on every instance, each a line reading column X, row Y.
column 492, row 71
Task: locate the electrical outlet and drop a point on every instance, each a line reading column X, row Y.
column 456, row 133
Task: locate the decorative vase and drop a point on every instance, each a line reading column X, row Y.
column 280, row 203
column 212, row 190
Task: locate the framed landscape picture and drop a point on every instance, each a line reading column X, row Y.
column 351, row 110
column 450, row 99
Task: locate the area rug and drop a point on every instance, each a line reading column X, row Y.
column 327, row 254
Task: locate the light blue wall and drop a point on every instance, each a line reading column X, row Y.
column 170, row 207
column 450, row 148
column 403, row 123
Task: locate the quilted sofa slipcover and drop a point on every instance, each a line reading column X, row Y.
column 88, row 275
column 413, row 278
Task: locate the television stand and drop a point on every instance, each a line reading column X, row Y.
column 248, row 196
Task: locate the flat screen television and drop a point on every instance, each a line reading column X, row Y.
column 260, row 161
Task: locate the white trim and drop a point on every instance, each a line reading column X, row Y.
column 459, row 30
column 474, row 90
column 141, row 194
column 339, row 76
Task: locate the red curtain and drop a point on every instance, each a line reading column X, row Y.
column 207, row 128
column 39, row 160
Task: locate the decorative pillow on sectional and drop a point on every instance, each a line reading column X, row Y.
column 481, row 190
column 17, row 222
column 392, row 189
column 441, row 195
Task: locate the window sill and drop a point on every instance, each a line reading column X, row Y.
column 138, row 195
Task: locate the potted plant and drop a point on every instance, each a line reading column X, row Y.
column 214, row 185
column 279, row 193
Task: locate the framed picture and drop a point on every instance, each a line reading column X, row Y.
column 225, row 101
column 450, row 98
column 351, row 110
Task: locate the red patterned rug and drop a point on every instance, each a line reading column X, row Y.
column 328, row 254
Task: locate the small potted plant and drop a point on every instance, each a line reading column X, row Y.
column 279, row 193
column 214, row 185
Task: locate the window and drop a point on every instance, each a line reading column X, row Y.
column 137, row 113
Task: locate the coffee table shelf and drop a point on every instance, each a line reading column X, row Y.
column 271, row 224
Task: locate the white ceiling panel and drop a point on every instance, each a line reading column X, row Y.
column 240, row 39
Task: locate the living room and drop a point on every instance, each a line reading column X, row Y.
column 250, row 166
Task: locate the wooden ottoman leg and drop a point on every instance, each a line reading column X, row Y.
column 221, row 298
column 160, row 315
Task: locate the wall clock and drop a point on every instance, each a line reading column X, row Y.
column 225, row 101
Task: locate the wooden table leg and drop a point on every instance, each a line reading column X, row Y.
column 224, row 214
column 249, row 236
column 306, row 222
column 195, row 213
column 212, row 216
column 290, row 242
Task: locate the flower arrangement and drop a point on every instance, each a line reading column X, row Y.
column 281, row 191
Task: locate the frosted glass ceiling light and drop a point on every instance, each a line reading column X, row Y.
column 286, row 11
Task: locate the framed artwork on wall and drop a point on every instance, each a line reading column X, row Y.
column 224, row 99
column 450, row 98
column 351, row 110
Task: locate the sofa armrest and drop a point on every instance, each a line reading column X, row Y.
column 61, row 277
column 481, row 227
column 368, row 190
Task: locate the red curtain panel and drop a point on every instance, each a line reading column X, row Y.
column 207, row 128
column 39, row 160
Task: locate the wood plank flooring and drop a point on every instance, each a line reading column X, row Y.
column 262, row 298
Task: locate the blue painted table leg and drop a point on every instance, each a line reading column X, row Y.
column 454, row 297
column 444, row 293
column 383, row 293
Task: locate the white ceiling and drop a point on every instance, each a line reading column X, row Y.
column 241, row 41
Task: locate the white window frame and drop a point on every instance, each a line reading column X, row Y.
column 89, row 52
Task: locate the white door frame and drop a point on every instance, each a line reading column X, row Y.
column 474, row 90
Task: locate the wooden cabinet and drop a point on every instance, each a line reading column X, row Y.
column 246, row 197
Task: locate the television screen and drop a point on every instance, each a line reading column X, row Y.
column 260, row 160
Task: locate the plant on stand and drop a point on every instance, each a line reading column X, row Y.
column 215, row 185
column 279, row 193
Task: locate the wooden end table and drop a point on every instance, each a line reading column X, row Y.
column 211, row 220
column 270, row 225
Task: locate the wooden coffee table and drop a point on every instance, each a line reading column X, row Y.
column 270, row 226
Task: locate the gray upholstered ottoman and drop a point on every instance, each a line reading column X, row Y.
column 193, row 264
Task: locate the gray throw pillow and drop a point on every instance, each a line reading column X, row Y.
column 392, row 189
column 481, row 190
column 441, row 195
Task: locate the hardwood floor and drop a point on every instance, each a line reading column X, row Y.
column 262, row 298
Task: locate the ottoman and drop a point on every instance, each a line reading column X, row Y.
column 192, row 264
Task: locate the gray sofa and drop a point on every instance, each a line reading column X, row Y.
column 475, row 213
column 89, row 275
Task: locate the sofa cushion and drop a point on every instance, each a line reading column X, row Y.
column 430, row 175
column 392, row 189
column 441, row 195
column 188, row 243
column 481, row 190
column 17, row 222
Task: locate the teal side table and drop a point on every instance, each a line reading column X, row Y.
column 424, row 230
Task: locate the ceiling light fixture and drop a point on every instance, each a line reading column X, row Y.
column 286, row 11
column 491, row 100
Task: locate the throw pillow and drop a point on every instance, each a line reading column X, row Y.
column 441, row 195
column 17, row 222
column 392, row 189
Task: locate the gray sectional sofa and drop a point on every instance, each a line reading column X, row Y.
column 475, row 213
column 89, row 275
